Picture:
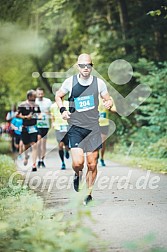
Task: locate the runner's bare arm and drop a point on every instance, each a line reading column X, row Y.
column 58, row 98
column 107, row 101
column 113, row 108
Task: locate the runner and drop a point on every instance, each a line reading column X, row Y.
column 10, row 115
column 42, row 125
column 104, row 123
column 60, row 127
column 29, row 112
column 84, row 133
column 16, row 125
column 104, row 128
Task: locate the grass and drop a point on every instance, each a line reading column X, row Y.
column 153, row 164
column 4, row 146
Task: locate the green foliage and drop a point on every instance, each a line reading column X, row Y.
column 4, row 146
column 7, row 169
column 145, row 242
column 27, row 226
column 151, row 115
column 40, row 36
column 120, row 155
column 159, row 148
column 146, row 127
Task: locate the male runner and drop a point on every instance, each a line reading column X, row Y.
column 84, row 133
column 29, row 111
column 42, row 125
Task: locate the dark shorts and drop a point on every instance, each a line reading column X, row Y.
column 88, row 140
column 43, row 132
column 28, row 138
column 17, row 138
column 104, row 130
column 62, row 137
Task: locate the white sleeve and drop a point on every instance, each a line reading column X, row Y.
column 102, row 88
column 50, row 103
column 67, row 85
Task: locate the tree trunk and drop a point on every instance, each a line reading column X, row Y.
column 124, row 21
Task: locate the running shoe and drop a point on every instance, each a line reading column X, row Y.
column 102, row 162
column 39, row 164
column 26, row 160
column 34, row 169
column 87, row 200
column 19, row 157
column 42, row 164
column 76, row 182
column 63, row 166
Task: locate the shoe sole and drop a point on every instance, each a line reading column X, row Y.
column 34, row 169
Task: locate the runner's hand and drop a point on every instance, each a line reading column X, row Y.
column 27, row 117
column 108, row 104
column 66, row 115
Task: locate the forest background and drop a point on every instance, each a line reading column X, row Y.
column 39, row 36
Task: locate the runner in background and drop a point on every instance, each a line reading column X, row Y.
column 104, row 128
column 16, row 125
column 104, row 123
column 60, row 127
column 10, row 115
column 29, row 111
column 42, row 125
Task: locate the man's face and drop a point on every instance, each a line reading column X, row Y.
column 40, row 94
column 85, row 66
column 32, row 97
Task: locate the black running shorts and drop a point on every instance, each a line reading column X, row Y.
column 43, row 132
column 86, row 139
column 62, row 137
column 28, row 138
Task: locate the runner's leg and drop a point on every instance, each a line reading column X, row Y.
column 92, row 158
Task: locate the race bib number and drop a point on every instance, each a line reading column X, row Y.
column 84, row 103
column 63, row 128
column 32, row 129
column 44, row 122
column 103, row 115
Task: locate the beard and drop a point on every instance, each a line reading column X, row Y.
column 85, row 74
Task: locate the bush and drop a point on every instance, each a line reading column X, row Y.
column 27, row 226
column 7, row 168
column 4, row 146
column 159, row 149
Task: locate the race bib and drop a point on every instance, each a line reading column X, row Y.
column 20, row 129
column 31, row 129
column 63, row 128
column 84, row 103
column 44, row 122
column 103, row 115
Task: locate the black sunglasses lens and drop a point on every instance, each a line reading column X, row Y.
column 85, row 65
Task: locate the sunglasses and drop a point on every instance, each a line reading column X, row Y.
column 85, row 65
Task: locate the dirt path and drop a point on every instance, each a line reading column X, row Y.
column 124, row 211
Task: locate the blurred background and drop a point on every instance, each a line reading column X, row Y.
column 39, row 36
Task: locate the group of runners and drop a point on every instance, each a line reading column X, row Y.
column 75, row 120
